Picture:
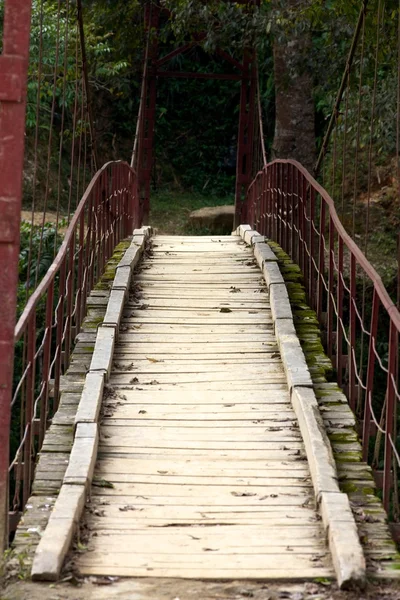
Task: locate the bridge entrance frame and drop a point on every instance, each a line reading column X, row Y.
column 142, row 158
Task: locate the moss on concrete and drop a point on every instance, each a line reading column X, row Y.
column 355, row 480
column 59, row 437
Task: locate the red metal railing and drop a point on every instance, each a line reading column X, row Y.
column 45, row 332
column 285, row 203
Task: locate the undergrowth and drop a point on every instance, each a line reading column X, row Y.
column 170, row 210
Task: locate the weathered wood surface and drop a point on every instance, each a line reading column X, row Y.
column 55, row 454
column 210, row 428
column 201, row 470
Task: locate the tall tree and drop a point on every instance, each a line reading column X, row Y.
column 294, row 113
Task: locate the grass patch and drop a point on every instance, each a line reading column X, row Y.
column 170, row 210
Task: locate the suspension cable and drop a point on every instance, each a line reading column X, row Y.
column 346, row 74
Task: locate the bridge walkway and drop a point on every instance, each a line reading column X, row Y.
column 192, row 440
column 198, row 439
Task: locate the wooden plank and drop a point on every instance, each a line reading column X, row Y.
column 128, row 445
column 235, row 239
column 198, row 279
column 198, row 268
column 192, row 467
column 145, row 412
column 229, row 339
column 268, row 377
column 230, row 456
column 150, row 495
column 128, row 512
column 269, row 483
column 130, row 366
column 252, row 430
column 229, row 287
column 209, row 560
column 200, row 248
column 280, row 496
column 209, row 386
column 170, row 310
column 183, row 330
column 183, row 347
column 292, row 574
column 200, row 244
column 268, row 533
column 187, row 545
column 215, row 412
column 201, row 360
column 204, row 318
column 125, row 363
column 195, row 303
column 196, row 397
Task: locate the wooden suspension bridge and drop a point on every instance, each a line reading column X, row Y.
column 174, row 410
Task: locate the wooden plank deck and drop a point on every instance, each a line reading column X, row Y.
column 198, row 437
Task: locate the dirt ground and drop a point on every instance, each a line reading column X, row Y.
column 51, row 217
column 173, row 589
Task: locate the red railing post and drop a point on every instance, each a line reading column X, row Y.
column 268, row 230
column 370, row 376
column 311, row 287
column 390, row 413
column 288, row 188
column 303, row 228
column 330, row 288
column 44, row 405
column 351, row 393
column 293, row 189
column 281, row 201
column 13, row 74
column 321, row 259
column 339, row 322
column 29, row 407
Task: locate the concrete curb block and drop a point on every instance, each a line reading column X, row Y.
column 279, row 300
column 83, row 456
column 252, row 237
column 285, row 331
column 58, row 535
column 344, row 544
column 91, row 399
column 318, row 448
column 272, row 274
column 64, row 520
column 130, row 258
column 115, row 308
column 295, row 365
column 257, row 239
column 241, row 230
column 263, row 254
column 103, row 351
column 122, row 280
column 338, row 519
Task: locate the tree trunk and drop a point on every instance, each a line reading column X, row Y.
column 294, row 105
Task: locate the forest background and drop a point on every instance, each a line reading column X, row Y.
column 302, row 46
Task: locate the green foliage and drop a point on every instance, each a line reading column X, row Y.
column 54, row 72
column 170, row 210
column 46, row 242
column 196, row 129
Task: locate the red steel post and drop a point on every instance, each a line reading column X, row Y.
column 246, row 133
column 146, row 142
column 13, row 75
